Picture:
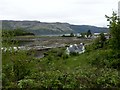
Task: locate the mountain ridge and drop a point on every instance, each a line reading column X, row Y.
column 45, row 28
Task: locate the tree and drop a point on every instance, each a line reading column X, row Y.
column 89, row 33
column 102, row 39
column 114, row 27
column 71, row 34
column 83, row 35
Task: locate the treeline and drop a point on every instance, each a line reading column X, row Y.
column 81, row 35
column 16, row 32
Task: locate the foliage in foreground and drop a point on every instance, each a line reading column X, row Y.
column 56, row 71
column 114, row 26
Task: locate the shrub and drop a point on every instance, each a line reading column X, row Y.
column 26, row 83
column 16, row 65
column 105, row 58
column 114, row 26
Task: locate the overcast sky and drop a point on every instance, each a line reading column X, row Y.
column 78, row 12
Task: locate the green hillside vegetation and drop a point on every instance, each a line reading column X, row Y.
column 98, row 67
column 16, row 32
column 8, row 36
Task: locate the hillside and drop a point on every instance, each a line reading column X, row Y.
column 42, row 28
column 85, row 28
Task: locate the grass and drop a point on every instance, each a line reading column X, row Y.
column 72, row 62
column 79, row 66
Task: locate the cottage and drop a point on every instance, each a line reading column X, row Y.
column 75, row 49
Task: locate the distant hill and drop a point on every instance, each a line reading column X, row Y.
column 42, row 28
column 85, row 28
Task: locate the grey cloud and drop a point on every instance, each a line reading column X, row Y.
column 72, row 11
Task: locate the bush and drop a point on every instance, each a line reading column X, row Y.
column 114, row 26
column 79, row 78
column 109, row 78
column 16, row 65
column 99, row 42
column 105, row 58
column 26, row 83
column 56, row 54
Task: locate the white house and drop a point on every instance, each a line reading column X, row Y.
column 75, row 49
